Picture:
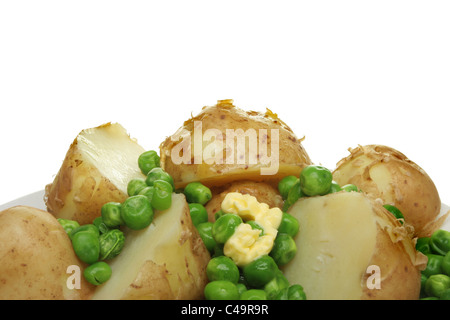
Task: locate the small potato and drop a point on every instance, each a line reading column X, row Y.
column 164, row 261
column 97, row 168
column 351, row 248
column 263, row 192
column 388, row 174
column 35, row 253
column 223, row 144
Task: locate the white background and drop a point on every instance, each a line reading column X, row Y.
column 340, row 73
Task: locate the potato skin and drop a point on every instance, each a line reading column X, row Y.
column 35, row 252
column 263, row 192
column 408, row 186
column 222, row 116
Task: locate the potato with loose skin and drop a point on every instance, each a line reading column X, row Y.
column 166, row 260
column 223, row 144
column 386, row 173
column 350, row 247
column 96, row 170
column 35, row 253
column 263, row 192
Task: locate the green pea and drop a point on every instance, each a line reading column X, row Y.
column 97, row 273
column 433, row 265
column 284, row 249
column 205, row 231
column 224, row 227
column 68, row 225
column 222, row 268
column 111, row 214
column 197, row 192
column 102, row 227
column 135, row 186
column 111, row 244
column 241, row 288
column 395, row 211
column 437, row 284
column 254, row 294
column 137, row 212
column 218, row 214
column 296, row 292
column 282, row 294
column 162, row 195
column 335, row 187
column 315, row 180
column 148, row 161
column 350, row 188
column 91, row 228
column 260, row 271
column 445, row 264
column 218, row 250
column 148, row 192
column 423, row 245
column 440, row 241
column 256, row 226
column 274, row 286
column 445, row 295
column 86, row 246
column 294, row 194
column 430, row 298
column 286, row 184
column 289, row 225
column 423, row 280
column 198, row 213
column 159, row 174
column 221, row 290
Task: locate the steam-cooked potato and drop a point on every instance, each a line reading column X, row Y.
column 263, row 192
column 167, row 260
column 212, row 147
column 97, row 168
column 347, row 245
column 389, row 175
column 35, row 254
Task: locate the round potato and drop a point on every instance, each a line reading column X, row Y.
column 96, row 170
column 263, row 192
column 224, row 143
column 388, row 174
column 351, row 248
column 36, row 258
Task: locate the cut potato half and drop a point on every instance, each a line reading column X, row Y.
column 223, row 144
column 349, row 244
column 97, row 168
column 165, row 261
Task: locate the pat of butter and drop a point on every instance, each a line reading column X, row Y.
column 246, row 244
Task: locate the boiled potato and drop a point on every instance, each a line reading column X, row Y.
column 263, row 192
column 211, row 148
column 348, row 244
column 167, row 260
column 388, row 174
column 97, row 168
column 35, row 254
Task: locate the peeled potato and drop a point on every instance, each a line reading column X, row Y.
column 388, row 174
column 344, row 239
column 207, row 148
column 35, row 254
column 165, row 261
column 97, row 168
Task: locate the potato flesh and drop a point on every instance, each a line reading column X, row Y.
column 109, row 149
column 165, row 246
column 335, row 243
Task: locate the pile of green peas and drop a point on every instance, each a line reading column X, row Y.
column 435, row 278
column 261, row 279
column 103, row 239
